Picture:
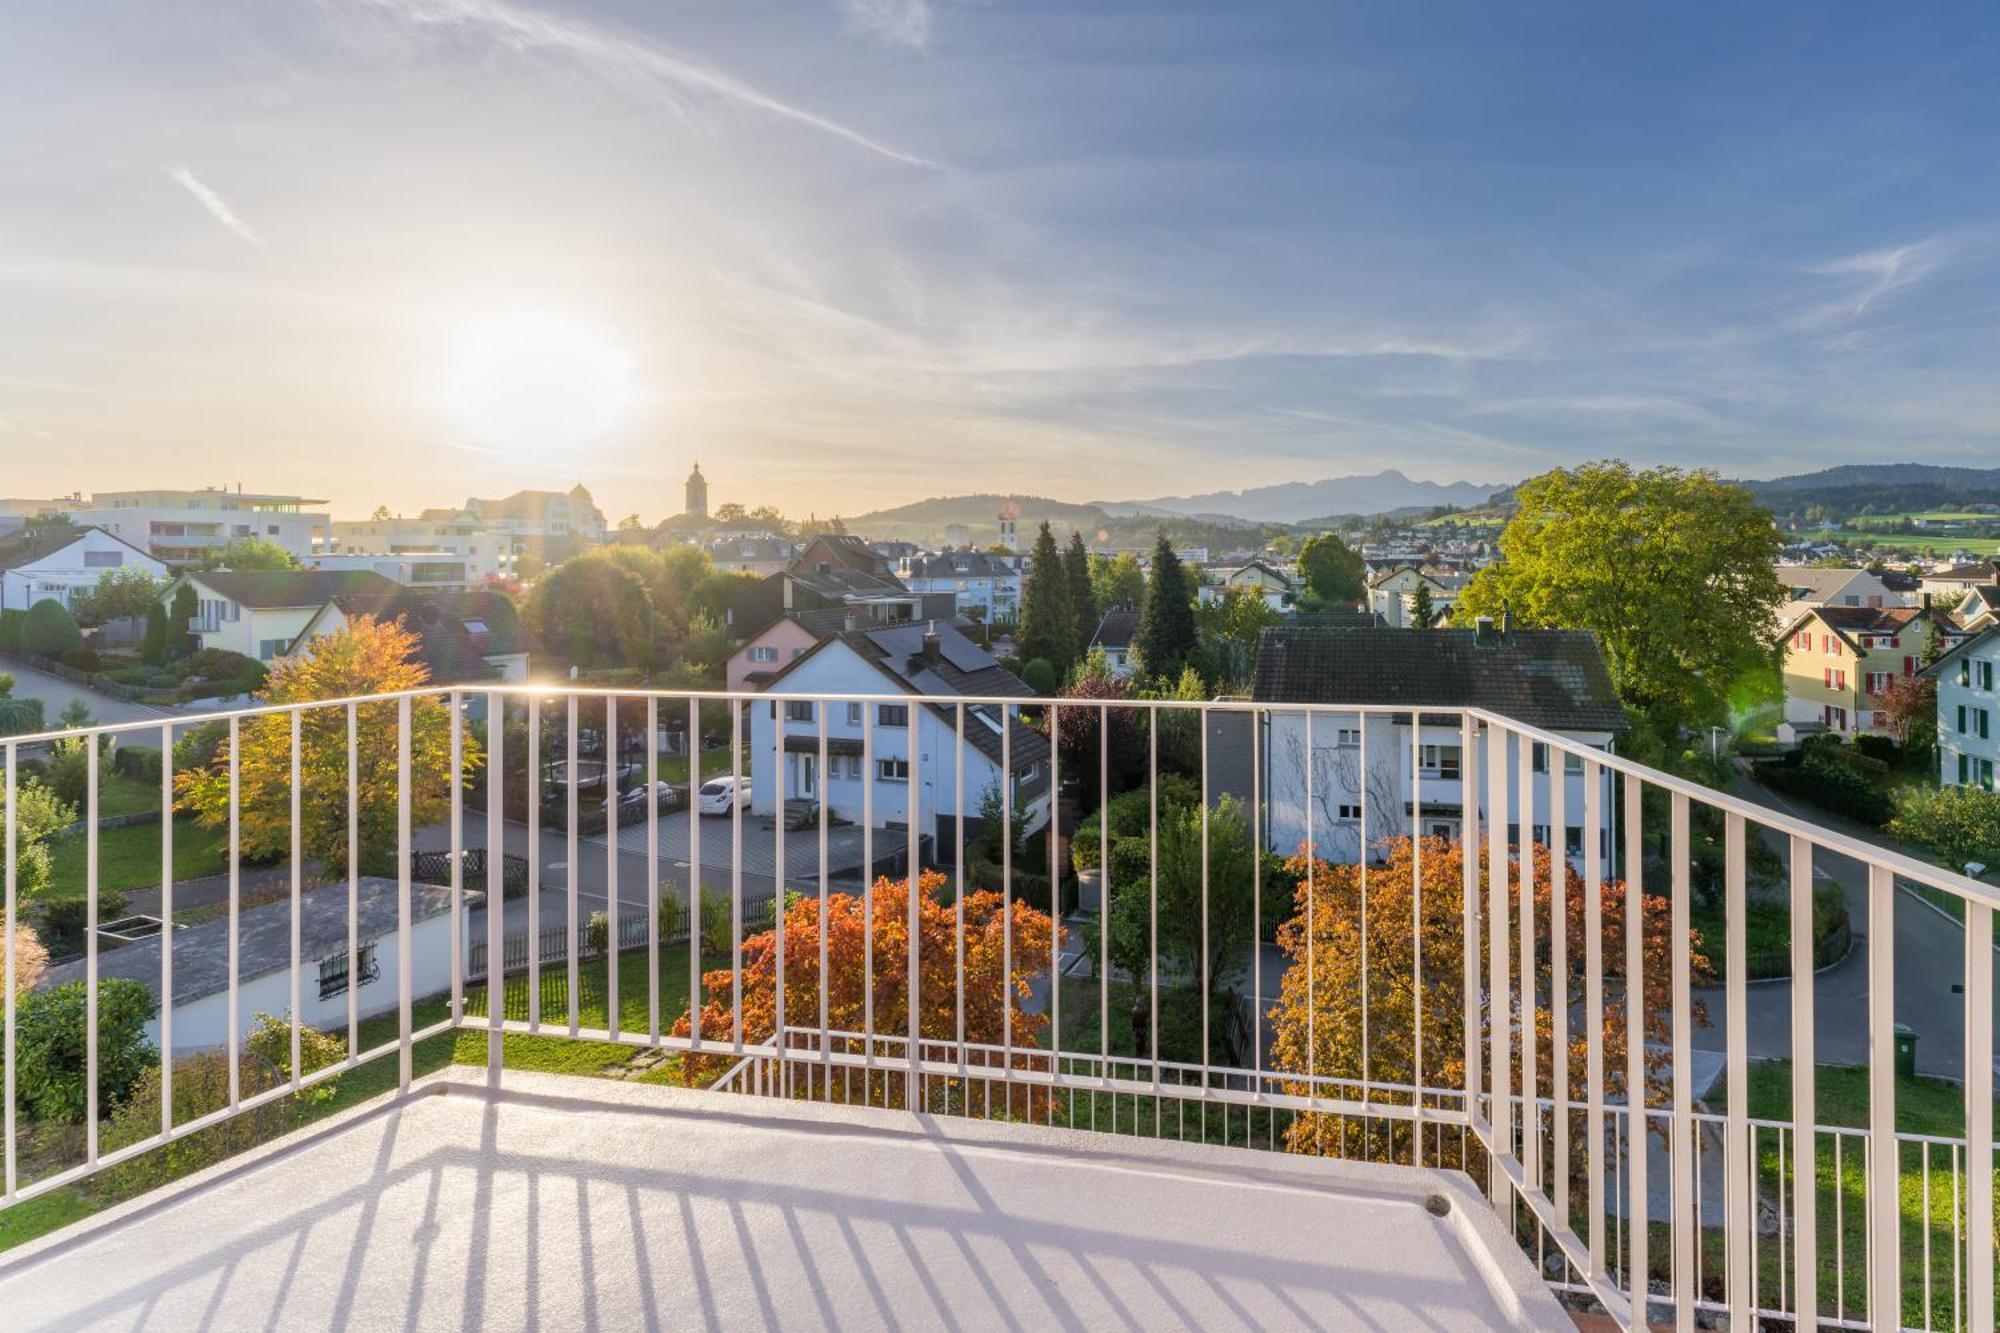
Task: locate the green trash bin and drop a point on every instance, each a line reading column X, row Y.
column 1906, row 1051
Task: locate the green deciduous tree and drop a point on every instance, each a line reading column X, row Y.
column 39, row 817
column 1167, row 634
column 1674, row 571
column 120, row 594
column 593, row 611
column 1230, row 627
column 249, row 553
column 1048, row 620
column 1335, row 575
column 1959, row 823
column 365, row 657
column 1116, row 580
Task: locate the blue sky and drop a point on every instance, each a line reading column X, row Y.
column 855, row 252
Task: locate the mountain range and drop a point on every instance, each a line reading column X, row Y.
column 1297, row 501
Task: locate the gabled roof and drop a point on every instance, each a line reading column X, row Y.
column 1965, row 646
column 959, row 565
column 456, row 631
column 32, row 544
column 270, row 589
column 1852, row 623
column 962, row 667
column 1551, row 678
column 1116, row 630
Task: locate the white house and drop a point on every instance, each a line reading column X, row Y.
column 264, row 956
column 1968, row 710
column 1274, row 585
column 183, row 525
column 868, row 744
column 1552, row 679
column 1954, row 580
column 983, row 587
column 1115, row 631
column 258, row 612
column 53, row 563
column 1393, row 595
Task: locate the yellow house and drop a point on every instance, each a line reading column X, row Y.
column 1840, row 660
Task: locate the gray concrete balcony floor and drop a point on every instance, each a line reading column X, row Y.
column 564, row 1203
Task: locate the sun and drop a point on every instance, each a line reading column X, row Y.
column 536, row 384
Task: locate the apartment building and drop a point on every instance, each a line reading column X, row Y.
column 480, row 549
column 180, row 526
column 1968, row 710
column 1840, row 660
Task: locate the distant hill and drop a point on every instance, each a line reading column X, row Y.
column 926, row 520
column 1881, row 488
column 1298, row 501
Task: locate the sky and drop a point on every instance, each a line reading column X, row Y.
column 851, row 253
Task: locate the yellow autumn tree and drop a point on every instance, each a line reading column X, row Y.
column 368, row 656
column 1318, row 1017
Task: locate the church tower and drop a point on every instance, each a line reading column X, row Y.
column 697, row 493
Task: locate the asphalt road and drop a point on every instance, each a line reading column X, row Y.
column 1929, row 965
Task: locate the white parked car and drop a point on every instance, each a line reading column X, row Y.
column 719, row 795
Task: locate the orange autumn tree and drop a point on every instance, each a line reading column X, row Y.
column 367, row 656
column 848, row 932
column 1327, row 1012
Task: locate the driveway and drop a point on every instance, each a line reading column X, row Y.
column 57, row 695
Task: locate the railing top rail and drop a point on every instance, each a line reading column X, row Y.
column 1832, row 840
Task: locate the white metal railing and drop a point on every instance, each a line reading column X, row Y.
column 1499, row 1056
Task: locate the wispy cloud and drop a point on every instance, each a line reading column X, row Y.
column 897, row 22
column 1871, row 276
column 218, row 207
column 620, row 56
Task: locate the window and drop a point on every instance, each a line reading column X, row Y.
column 1878, row 682
column 1986, row 774
column 893, row 770
column 333, row 979
column 799, row 710
column 763, row 653
column 1979, row 724
column 103, row 559
column 1572, row 763
column 1965, row 768
column 1442, row 761
column 1573, row 840
column 854, row 715
column 270, row 648
column 1964, row 672
column 1836, row 679
column 1347, row 738
column 1539, row 761
column 892, row 715
column 1961, row 719
column 1985, row 675
column 1348, row 814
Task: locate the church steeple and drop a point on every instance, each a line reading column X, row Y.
column 697, row 493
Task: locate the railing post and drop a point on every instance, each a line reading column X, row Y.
column 1637, row 1267
column 10, row 816
column 496, row 886
column 1805, row 1179
column 1978, row 1115
column 1468, row 847
column 1739, row 1228
column 1680, row 1155
column 404, row 952
column 1499, row 982
column 1885, row 1223
column 1593, row 1002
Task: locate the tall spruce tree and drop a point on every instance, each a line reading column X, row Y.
column 1082, row 597
column 1422, row 614
column 1048, row 621
column 1166, row 637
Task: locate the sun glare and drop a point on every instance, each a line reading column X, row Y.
column 537, row 384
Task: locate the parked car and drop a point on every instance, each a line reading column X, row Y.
column 666, row 796
column 719, row 795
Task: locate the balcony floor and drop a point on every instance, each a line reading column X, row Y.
column 566, row 1203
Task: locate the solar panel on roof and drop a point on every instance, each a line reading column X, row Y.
column 964, row 654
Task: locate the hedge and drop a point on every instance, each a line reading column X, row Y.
column 49, row 630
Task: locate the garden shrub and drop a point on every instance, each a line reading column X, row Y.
column 18, row 717
column 51, row 1050
column 49, row 630
column 62, row 921
column 10, row 630
column 81, row 659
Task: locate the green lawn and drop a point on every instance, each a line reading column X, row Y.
column 545, row 1054
column 674, row 767
column 1923, row 1106
column 123, row 794
column 129, row 858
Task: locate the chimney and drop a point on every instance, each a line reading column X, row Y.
column 933, row 645
column 1482, row 630
column 853, row 622
column 1506, row 620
